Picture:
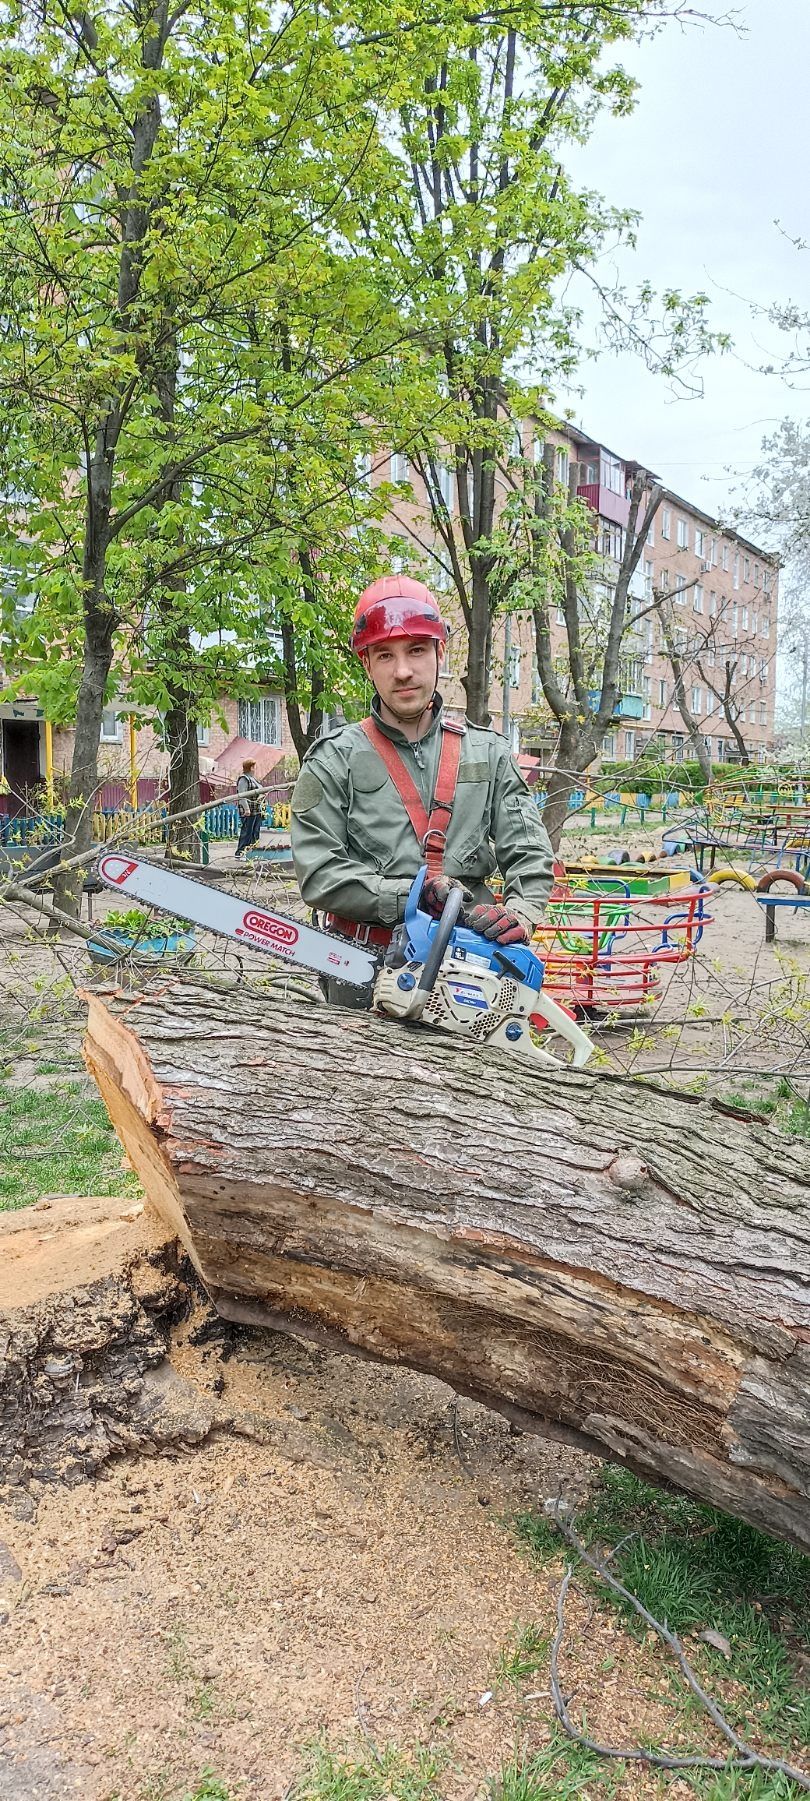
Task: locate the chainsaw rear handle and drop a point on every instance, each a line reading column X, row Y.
column 438, row 946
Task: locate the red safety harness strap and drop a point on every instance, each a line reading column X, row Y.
column 431, row 832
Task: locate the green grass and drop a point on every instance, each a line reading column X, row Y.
column 523, row 1657
column 694, row 1568
column 208, row 1789
column 57, row 1141
column 781, row 1106
column 390, row 1775
column 560, row 1772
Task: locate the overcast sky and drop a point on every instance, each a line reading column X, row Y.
column 716, row 152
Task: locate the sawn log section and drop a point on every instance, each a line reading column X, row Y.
column 598, row 1258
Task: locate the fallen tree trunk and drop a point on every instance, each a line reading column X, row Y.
column 620, row 1266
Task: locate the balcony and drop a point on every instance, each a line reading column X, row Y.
column 628, row 706
column 603, row 501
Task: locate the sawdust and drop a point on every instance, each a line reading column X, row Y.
column 343, row 1567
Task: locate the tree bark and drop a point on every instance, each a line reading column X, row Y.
column 183, row 836
column 99, row 629
column 613, row 1263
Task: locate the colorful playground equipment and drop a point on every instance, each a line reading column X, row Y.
column 798, row 900
column 757, row 828
column 605, row 937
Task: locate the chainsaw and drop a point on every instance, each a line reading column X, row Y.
column 435, row 971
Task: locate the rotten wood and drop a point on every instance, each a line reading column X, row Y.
column 616, row 1264
column 89, row 1291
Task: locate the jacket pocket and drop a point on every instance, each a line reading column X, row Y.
column 524, row 817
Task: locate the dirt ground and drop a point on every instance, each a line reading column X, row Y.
column 352, row 1578
column 351, row 1571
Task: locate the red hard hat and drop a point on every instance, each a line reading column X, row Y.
column 396, row 607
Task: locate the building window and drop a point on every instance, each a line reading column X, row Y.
column 754, row 624
column 746, row 569
column 513, row 666
column 697, row 600
column 713, row 553
column 734, row 625
column 648, row 580
column 766, row 580
column 662, row 694
column 651, row 533
column 260, row 720
column 697, row 701
column 744, row 618
column 612, row 474
column 677, row 747
column 362, row 464
column 700, row 542
column 561, row 461
column 666, row 522
column 609, row 746
column 756, row 575
column 712, row 603
column 612, row 542
column 763, row 712
column 680, row 590
column 629, row 746
column 752, row 713
column 763, row 671
column 663, row 581
column 765, row 626
column 444, row 476
column 683, row 534
column 725, row 558
column 112, row 730
column 203, row 735
column 400, row 467
column 736, row 570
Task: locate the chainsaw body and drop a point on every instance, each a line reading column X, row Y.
column 435, row 970
column 491, row 992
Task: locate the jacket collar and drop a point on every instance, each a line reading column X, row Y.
column 393, row 731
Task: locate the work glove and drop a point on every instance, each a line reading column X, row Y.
column 436, row 892
column 495, row 922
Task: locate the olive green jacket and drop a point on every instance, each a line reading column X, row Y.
column 356, row 853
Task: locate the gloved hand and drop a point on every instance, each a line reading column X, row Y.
column 493, row 921
column 436, row 891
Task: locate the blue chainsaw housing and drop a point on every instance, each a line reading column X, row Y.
column 419, row 929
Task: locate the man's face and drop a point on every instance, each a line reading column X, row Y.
column 403, row 671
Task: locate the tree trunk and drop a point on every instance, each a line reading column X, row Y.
column 600, row 1259
column 83, row 786
column 183, row 836
column 478, row 674
column 561, row 783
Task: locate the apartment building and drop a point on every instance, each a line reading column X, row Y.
column 721, row 592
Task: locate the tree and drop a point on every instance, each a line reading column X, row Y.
column 677, row 653
column 548, row 562
column 181, row 195
column 490, row 224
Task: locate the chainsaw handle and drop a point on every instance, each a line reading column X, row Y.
column 566, row 1028
column 435, row 957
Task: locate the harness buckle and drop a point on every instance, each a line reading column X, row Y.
column 434, row 842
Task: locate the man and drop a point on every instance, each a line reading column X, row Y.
column 367, row 791
column 249, row 802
